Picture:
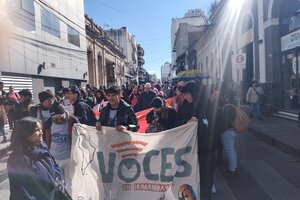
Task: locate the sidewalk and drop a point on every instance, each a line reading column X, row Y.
column 280, row 133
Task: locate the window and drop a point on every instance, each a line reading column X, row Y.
column 50, row 23
column 22, row 14
column 247, row 25
column 73, row 36
column 28, row 6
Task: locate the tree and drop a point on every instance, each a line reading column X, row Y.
column 212, row 7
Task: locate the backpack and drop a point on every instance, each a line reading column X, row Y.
column 240, row 122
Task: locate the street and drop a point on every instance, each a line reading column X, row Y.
column 264, row 173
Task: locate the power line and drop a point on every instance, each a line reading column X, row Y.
column 33, row 22
column 49, row 44
column 34, row 61
column 97, row 36
column 61, row 53
column 155, row 39
column 116, row 9
column 43, row 4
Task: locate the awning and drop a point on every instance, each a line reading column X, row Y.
column 191, row 75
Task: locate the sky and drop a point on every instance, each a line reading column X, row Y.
column 148, row 20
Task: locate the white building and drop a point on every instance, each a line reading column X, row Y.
column 193, row 17
column 47, row 44
column 166, row 71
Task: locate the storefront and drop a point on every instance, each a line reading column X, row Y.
column 290, row 52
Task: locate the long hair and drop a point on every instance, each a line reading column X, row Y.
column 23, row 129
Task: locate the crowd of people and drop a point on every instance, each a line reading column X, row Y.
column 41, row 137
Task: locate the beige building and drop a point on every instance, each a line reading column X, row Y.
column 128, row 44
column 105, row 58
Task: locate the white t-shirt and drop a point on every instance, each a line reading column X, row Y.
column 60, row 147
column 112, row 117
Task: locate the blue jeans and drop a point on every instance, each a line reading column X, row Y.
column 255, row 109
column 228, row 140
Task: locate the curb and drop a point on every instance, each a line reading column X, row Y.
column 274, row 142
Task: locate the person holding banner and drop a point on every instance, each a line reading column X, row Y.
column 59, row 134
column 82, row 110
column 162, row 117
column 32, row 171
column 117, row 113
column 197, row 107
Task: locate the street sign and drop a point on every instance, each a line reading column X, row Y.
column 239, row 61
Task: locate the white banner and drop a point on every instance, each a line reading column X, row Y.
column 114, row 165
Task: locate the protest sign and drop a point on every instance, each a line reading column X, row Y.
column 114, row 165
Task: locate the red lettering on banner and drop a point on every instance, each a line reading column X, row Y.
column 151, row 187
column 126, row 187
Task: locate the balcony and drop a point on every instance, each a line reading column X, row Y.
column 141, row 61
column 140, row 50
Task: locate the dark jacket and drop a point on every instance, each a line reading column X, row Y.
column 23, row 109
column 145, row 99
column 125, row 116
column 84, row 113
column 185, row 112
column 166, row 123
column 203, row 111
column 31, row 174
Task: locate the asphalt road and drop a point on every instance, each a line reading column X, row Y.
column 264, row 173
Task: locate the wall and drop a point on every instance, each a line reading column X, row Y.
column 30, row 49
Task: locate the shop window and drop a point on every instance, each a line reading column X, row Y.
column 50, row 23
column 73, row 36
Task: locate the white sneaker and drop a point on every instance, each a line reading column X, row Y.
column 213, row 189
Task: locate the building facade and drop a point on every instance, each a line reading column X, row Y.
column 166, row 70
column 105, row 58
column 193, row 17
column 127, row 42
column 264, row 34
column 47, row 45
column 141, row 61
column 290, row 52
column 186, row 37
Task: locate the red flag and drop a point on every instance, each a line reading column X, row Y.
column 141, row 117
